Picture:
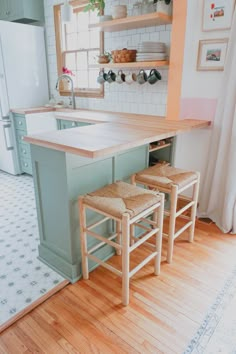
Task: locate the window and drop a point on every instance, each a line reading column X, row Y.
column 77, row 49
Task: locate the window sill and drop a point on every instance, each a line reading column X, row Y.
column 88, row 94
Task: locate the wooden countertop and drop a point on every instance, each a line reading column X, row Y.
column 42, row 109
column 115, row 132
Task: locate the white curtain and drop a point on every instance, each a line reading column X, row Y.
column 219, row 190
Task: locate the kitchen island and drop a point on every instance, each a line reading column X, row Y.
column 72, row 162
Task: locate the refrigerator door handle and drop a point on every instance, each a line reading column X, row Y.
column 7, row 126
column 4, row 100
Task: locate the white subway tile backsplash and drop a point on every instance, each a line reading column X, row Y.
column 165, row 36
column 135, row 98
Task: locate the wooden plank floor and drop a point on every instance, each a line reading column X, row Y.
column 163, row 314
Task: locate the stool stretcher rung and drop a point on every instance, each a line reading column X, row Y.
column 105, row 265
column 96, row 247
column 182, row 229
column 165, row 235
column 179, row 212
column 142, row 226
column 184, row 197
column 142, row 264
column 151, row 245
column 186, row 217
column 143, row 239
column 145, row 243
column 103, row 239
column 187, row 186
column 148, row 221
column 92, row 226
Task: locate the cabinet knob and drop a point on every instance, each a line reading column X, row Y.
column 22, row 138
column 20, row 122
column 25, row 164
column 24, row 151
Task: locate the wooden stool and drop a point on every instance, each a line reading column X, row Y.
column 127, row 205
column 173, row 181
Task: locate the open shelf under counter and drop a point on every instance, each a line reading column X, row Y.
column 136, row 64
column 159, row 147
column 132, row 22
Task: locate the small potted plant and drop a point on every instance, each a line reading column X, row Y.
column 164, row 6
column 99, row 6
column 66, row 83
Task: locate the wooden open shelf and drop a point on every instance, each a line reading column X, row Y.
column 132, row 22
column 136, row 64
column 159, row 147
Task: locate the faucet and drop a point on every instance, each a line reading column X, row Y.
column 67, row 77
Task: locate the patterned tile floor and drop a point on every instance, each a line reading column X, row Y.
column 23, row 278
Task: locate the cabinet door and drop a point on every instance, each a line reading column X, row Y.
column 11, row 10
column 25, row 11
column 3, row 10
column 15, row 9
column 33, row 10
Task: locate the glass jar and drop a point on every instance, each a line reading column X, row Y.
column 145, row 7
column 151, row 7
column 137, row 9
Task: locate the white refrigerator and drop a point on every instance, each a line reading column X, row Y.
column 23, row 81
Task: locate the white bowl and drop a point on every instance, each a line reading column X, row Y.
column 119, row 11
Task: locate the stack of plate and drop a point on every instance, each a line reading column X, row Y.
column 148, row 51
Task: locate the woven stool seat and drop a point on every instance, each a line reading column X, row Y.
column 120, row 197
column 164, row 176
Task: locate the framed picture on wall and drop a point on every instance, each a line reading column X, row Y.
column 217, row 15
column 211, row 54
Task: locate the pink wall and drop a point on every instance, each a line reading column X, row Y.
column 198, row 108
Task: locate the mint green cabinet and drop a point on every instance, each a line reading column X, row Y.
column 24, row 11
column 23, row 148
column 59, row 179
column 9, row 9
column 68, row 124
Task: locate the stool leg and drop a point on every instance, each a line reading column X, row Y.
column 158, row 217
column 125, row 259
column 172, row 221
column 194, row 209
column 83, row 238
column 133, row 181
column 132, row 231
column 118, row 239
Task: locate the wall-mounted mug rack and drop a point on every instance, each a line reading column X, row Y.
column 141, row 78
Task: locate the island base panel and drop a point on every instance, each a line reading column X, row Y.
column 60, row 178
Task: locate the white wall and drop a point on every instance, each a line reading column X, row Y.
column 146, row 99
column 200, row 92
column 202, row 84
